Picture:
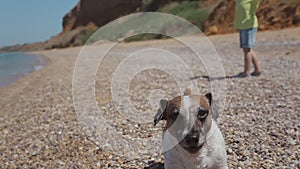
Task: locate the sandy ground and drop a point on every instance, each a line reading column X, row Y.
column 39, row 127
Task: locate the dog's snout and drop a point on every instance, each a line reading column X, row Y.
column 192, row 138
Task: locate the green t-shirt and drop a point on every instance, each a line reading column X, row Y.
column 245, row 17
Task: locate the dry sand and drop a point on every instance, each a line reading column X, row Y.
column 260, row 123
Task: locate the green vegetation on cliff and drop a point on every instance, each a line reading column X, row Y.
column 192, row 11
column 189, row 10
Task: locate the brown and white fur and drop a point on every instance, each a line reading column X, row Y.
column 191, row 139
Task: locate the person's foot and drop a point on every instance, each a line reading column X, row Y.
column 255, row 73
column 242, row 75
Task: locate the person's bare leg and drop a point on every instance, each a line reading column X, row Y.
column 255, row 62
column 248, row 60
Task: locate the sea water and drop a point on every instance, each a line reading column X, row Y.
column 13, row 66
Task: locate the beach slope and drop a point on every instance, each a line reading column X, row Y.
column 260, row 122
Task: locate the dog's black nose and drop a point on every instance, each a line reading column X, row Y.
column 192, row 139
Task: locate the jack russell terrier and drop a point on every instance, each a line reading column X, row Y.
column 191, row 137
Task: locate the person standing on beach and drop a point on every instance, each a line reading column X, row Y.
column 246, row 22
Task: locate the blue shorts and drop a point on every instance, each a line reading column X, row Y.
column 247, row 37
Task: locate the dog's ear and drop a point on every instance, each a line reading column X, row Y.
column 160, row 115
column 209, row 98
column 215, row 113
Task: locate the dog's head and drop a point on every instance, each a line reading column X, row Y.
column 189, row 119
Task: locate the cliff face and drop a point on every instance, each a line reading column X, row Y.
column 272, row 14
column 88, row 15
column 98, row 12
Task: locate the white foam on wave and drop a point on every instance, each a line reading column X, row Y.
column 38, row 67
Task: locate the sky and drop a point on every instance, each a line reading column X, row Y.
column 27, row 21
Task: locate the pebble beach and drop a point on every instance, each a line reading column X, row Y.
column 260, row 121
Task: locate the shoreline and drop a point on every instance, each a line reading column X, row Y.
column 39, row 126
column 38, row 64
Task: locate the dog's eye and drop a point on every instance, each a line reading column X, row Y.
column 202, row 114
column 174, row 114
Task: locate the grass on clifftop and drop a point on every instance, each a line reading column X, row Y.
column 189, row 10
